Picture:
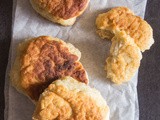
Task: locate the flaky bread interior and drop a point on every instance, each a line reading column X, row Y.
column 124, row 59
column 123, row 19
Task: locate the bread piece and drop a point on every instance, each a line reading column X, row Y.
column 68, row 99
column 124, row 59
column 63, row 12
column 123, row 19
column 42, row 60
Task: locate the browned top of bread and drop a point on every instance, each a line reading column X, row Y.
column 68, row 99
column 123, row 19
column 62, row 8
column 44, row 60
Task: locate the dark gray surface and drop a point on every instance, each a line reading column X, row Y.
column 149, row 75
column 5, row 38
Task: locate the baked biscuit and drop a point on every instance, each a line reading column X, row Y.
column 63, row 12
column 124, row 59
column 42, row 60
column 68, row 99
column 123, row 19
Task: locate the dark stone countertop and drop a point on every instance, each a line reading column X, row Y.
column 149, row 74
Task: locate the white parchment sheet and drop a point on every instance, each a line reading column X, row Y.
column 122, row 99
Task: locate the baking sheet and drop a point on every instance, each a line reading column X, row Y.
column 122, row 99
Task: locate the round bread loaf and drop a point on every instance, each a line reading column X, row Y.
column 123, row 19
column 42, row 60
column 68, row 99
column 63, row 12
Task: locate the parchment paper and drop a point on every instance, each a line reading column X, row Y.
column 122, row 99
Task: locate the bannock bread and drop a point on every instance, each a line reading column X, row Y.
column 63, row 12
column 69, row 99
column 123, row 19
column 124, row 59
column 42, row 60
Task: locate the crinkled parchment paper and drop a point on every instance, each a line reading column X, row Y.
column 122, row 99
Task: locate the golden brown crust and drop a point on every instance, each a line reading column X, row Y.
column 68, row 99
column 122, row 19
column 44, row 60
column 62, row 8
column 60, row 11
